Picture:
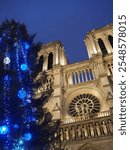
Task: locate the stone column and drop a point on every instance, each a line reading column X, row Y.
column 57, row 57
column 46, row 62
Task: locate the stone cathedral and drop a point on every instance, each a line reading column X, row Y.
column 82, row 96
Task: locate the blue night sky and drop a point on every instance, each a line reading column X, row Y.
column 64, row 20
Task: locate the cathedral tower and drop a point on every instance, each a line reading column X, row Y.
column 82, row 96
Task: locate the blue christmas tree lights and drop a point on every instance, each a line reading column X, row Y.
column 16, row 84
column 27, row 136
column 24, row 67
column 3, row 129
column 22, row 93
column 27, row 46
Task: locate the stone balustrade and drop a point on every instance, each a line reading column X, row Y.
column 87, row 117
column 85, row 130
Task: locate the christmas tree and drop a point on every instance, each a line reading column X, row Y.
column 24, row 124
column 47, row 135
column 17, row 59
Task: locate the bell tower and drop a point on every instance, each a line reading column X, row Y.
column 52, row 55
column 52, row 58
column 100, row 41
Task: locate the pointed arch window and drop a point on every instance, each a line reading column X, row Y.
column 110, row 38
column 50, row 61
column 102, row 46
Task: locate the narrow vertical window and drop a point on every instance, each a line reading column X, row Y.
column 73, row 78
column 50, row 61
column 87, row 75
column 110, row 38
column 80, row 77
column 91, row 74
column 102, row 46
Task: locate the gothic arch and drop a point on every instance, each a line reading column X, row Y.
column 102, row 46
column 50, row 60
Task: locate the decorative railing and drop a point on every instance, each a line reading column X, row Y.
column 85, row 130
column 87, row 117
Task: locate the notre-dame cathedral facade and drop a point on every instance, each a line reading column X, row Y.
column 82, row 96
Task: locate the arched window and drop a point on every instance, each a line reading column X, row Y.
column 40, row 63
column 110, row 38
column 102, row 46
column 50, row 61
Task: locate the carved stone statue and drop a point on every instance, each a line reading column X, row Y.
column 78, row 132
column 61, row 135
column 91, row 130
column 84, row 132
column 73, row 133
column 97, row 129
column 67, row 134
column 104, row 128
column 110, row 126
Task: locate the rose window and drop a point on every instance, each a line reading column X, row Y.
column 84, row 104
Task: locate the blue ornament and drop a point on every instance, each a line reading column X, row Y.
column 22, row 93
column 24, row 67
column 3, row 129
column 27, row 46
column 6, row 60
column 27, row 136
